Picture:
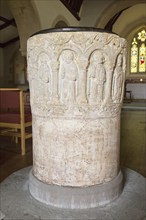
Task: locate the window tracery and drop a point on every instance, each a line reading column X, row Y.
column 138, row 53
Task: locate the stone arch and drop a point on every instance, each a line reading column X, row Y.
column 134, row 30
column 124, row 26
column 133, row 27
column 113, row 9
column 26, row 19
column 60, row 22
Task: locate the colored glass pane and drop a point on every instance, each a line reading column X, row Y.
column 138, row 53
column 142, row 35
column 134, row 41
column 142, row 58
column 134, row 58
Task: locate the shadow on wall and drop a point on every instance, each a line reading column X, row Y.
column 61, row 24
column 20, row 70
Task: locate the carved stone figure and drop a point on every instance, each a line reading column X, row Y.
column 118, row 79
column 43, row 89
column 69, row 74
column 97, row 77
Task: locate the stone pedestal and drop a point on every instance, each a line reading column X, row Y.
column 76, row 78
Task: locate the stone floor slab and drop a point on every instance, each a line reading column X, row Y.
column 17, row 203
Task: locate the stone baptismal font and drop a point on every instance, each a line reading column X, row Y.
column 76, row 78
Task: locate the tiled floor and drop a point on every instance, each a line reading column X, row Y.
column 133, row 145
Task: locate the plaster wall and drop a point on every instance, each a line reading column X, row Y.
column 50, row 12
column 90, row 13
column 135, row 15
column 138, row 90
column 113, row 8
column 8, row 65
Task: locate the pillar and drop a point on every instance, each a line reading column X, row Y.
column 76, row 78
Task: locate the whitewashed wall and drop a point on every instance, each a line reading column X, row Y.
column 138, row 90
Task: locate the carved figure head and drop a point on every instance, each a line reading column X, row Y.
column 68, row 56
column 43, row 58
column 98, row 57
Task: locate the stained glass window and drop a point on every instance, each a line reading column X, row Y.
column 138, row 53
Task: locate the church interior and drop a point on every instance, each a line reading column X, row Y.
column 21, row 19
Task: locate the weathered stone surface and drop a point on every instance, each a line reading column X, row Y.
column 17, row 204
column 76, row 85
column 76, row 197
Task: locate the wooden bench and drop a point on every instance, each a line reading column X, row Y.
column 15, row 116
